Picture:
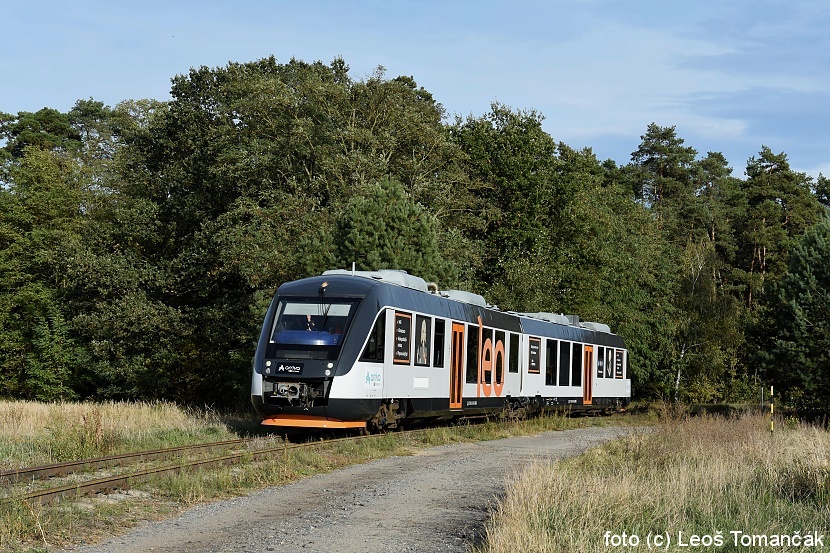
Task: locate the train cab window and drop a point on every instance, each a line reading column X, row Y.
column 310, row 328
column 576, row 365
column 550, row 362
column 373, row 352
column 472, row 354
column 513, row 355
column 438, row 344
column 564, row 363
column 423, row 333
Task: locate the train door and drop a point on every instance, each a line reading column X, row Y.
column 588, row 376
column 456, row 365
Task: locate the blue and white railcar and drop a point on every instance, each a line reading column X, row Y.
column 373, row 349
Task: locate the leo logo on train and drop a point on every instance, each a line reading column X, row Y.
column 490, row 360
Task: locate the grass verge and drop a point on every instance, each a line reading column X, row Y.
column 112, row 428
column 702, row 483
column 33, row 434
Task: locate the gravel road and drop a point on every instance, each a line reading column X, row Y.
column 435, row 500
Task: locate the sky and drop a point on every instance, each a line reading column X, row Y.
column 731, row 75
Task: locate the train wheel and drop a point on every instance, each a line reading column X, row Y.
column 388, row 417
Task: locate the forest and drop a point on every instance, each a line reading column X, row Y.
column 141, row 243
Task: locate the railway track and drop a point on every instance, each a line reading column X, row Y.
column 60, row 469
column 128, row 479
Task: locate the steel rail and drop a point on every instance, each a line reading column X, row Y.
column 60, row 469
column 124, row 481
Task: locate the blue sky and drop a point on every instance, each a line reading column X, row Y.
column 731, row 75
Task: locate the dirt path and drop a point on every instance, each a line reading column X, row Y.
column 435, row 500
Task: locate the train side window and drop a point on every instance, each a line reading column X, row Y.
column 533, row 355
column 576, row 366
column 564, row 363
column 550, row 362
column 609, row 363
column 472, row 354
column 498, row 354
column 402, row 339
column 438, row 344
column 487, row 334
column 618, row 364
column 513, row 356
column 600, row 362
column 373, row 352
column 423, row 332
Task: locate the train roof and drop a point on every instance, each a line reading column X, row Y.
column 403, row 279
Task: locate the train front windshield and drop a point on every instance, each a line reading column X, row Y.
column 310, row 328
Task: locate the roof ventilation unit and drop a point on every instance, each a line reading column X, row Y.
column 596, row 327
column 465, row 297
column 399, row 278
column 550, row 317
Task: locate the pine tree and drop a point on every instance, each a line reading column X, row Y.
column 798, row 358
column 385, row 229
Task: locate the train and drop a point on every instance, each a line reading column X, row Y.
column 376, row 350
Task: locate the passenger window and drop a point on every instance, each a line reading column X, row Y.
column 600, row 362
column 618, row 365
column 576, row 366
column 499, row 357
column 564, row 363
column 550, row 362
column 472, row 354
column 438, row 344
column 373, row 352
column 423, row 331
column 534, row 353
column 513, row 356
column 487, row 334
column 402, row 342
column 609, row 363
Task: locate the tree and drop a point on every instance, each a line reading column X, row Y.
column 823, row 190
column 511, row 162
column 46, row 129
column 246, row 171
column 695, row 204
column 40, row 226
column 384, row 229
column 797, row 359
column 780, row 206
column 665, row 168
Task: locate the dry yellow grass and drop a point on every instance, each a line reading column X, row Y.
column 704, row 476
column 34, row 433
